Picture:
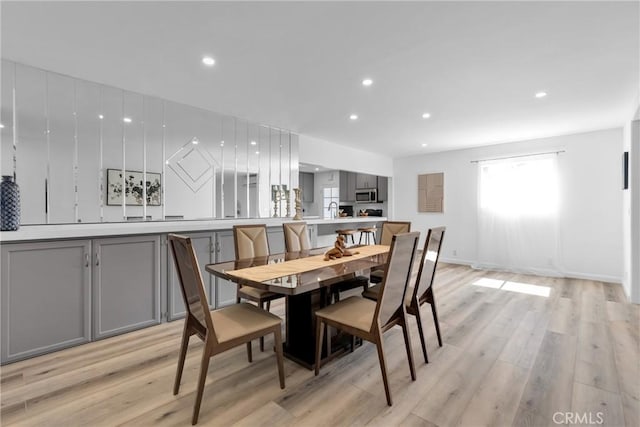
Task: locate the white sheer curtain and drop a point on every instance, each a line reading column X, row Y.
column 518, row 214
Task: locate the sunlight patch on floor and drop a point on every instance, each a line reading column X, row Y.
column 523, row 288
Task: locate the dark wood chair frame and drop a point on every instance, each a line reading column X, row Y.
column 199, row 322
column 264, row 301
column 397, row 276
column 376, row 275
column 423, row 289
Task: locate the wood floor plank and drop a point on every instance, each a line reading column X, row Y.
column 268, row 415
column 509, row 358
column 565, row 317
column 595, row 361
column 496, row 400
column 596, row 406
column 550, row 385
column 523, row 345
column 456, row 387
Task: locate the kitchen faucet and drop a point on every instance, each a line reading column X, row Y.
column 333, row 204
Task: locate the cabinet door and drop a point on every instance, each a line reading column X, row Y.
column 364, row 181
column 46, row 297
column 225, row 290
column 351, row 187
column 309, row 187
column 276, row 240
column 126, row 284
column 343, row 186
column 204, row 245
column 383, row 189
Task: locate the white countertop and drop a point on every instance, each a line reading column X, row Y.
column 76, row 231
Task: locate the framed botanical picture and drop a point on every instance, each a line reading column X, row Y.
column 133, row 188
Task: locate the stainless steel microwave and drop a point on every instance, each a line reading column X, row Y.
column 367, row 196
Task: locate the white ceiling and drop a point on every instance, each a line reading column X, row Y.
column 475, row 66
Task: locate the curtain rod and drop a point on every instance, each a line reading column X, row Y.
column 514, row 157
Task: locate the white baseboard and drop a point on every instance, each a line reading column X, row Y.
column 568, row 274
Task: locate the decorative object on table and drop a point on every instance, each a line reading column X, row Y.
column 338, row 250
column 298, row 200
column 133, row 188
column 363, row 212
column 275, row 198
column 9, row 204
column 286, row 194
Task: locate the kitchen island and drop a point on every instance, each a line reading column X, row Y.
column 68, row 284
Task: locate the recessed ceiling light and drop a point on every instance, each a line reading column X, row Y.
column 221, row 143
column 253, row 143
column 257, row 152
column 353, row 117
column 194, row 141
column 426, row 115
column 127, row 120
column 100, row 116
column 1, row 126
column 367, row 82
column 541, row 94
column 424, row 144
column 208, row 61
column 317, row 169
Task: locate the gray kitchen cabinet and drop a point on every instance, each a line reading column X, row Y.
column 126, row 284
column 366, row 181
column 46, row 297
column 347, row 186
column 204, row 245
column 307, row 186
column 383, row 189
column 225, row 290
column 275, row 236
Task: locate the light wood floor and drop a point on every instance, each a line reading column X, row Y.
column 509, row 358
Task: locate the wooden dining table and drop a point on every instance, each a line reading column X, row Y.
column 305, row 278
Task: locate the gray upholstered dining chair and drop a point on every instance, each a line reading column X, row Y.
column 389, row 228
column 250, row 241
column 422, row 291
column 220, row 329
column 369, row 319
column 296, row 236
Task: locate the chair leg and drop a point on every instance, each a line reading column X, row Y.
column 183, row 354
column 204, row 367
column 319, row 336
column 360, row 239
column 383, row 367
column 249, row 352
column 373, row 236
column 277, row 336
column 421, row 332
column 434, row 311
column 262, row 338
column 407, row 344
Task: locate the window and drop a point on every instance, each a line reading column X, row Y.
column 518, row 214
column 329, row 195
column 519, row 187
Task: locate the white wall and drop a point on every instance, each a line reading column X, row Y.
column 334, row 156
column 591, row 199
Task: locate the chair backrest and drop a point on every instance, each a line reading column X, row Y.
column 429, row 262
column 250, row 241
column 296, row 236
column 190, row 278
column 390, row 228
column 396, row 277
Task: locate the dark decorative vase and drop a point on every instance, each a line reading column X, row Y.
column 9, row 204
